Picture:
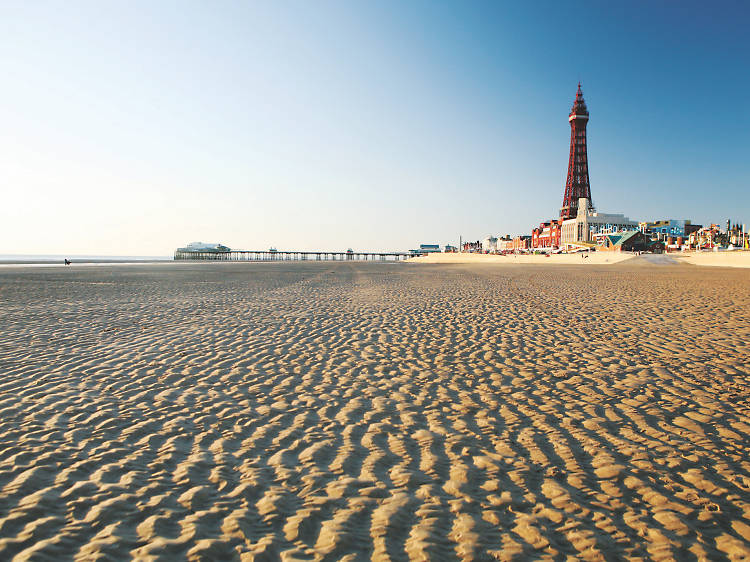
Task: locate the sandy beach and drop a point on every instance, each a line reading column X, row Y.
column 340, row 411
column 714, row 259
column 737, row 258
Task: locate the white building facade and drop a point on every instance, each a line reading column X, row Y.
column 489, row 244
column 505, row 244
column 588, row 226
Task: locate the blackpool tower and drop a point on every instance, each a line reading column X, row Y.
column 577, row 183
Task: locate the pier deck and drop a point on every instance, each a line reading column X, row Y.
column 265, row 255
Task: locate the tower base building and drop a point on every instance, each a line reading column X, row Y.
column 590, row 226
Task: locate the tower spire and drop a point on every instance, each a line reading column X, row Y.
column 577, row 183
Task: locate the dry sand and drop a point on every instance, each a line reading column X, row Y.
column 387, row 411
column 737, row 258
column 716, row 259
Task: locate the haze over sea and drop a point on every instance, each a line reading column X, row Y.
column 42, row 259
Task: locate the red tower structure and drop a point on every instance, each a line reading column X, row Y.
column 577, row 183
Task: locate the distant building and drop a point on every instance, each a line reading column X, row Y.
column 630, row 241
column 505, row 244
column 204, row 247
column 450, row 249
column 426, row 249
column 471, row 247
column 521, row 243
column 489, row 244
column 706, row 237
column 588, row 225
column 669, row 228
column 546, row 235
column 737, row 235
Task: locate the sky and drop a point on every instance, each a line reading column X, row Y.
column 135, row 127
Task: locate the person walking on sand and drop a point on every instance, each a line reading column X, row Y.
column 67, row 261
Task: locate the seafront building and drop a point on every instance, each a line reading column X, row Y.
column 709, row 237
column 669, row 228
column 629, row 241
column 505, row 244
column 426, row 249
column 521, row 243
column 589, row 226
column 546, row 235
column 471, row 247
column 497, row 244
column 489, row 244
column 737, row 235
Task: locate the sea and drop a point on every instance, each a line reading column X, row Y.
column 59, row 259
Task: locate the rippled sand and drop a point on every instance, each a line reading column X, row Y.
column 355, row 411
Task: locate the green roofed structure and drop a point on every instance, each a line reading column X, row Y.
column 630, row 241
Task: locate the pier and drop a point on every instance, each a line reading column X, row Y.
column 267, row 255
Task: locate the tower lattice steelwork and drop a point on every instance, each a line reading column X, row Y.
column 577, row 183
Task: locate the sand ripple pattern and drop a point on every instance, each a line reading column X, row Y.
column 387, row 411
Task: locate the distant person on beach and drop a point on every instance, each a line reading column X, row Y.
column 67, row 261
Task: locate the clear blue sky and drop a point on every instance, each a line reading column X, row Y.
column 136, row 127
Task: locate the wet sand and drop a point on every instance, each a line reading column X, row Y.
column 390, row 411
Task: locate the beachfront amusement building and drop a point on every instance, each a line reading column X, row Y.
column 669, row 228
column 589, row 226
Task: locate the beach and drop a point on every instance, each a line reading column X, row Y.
column 712, row 259
column 736, row 258
column 403, row 411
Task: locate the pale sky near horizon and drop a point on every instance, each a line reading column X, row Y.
column 132, row 128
